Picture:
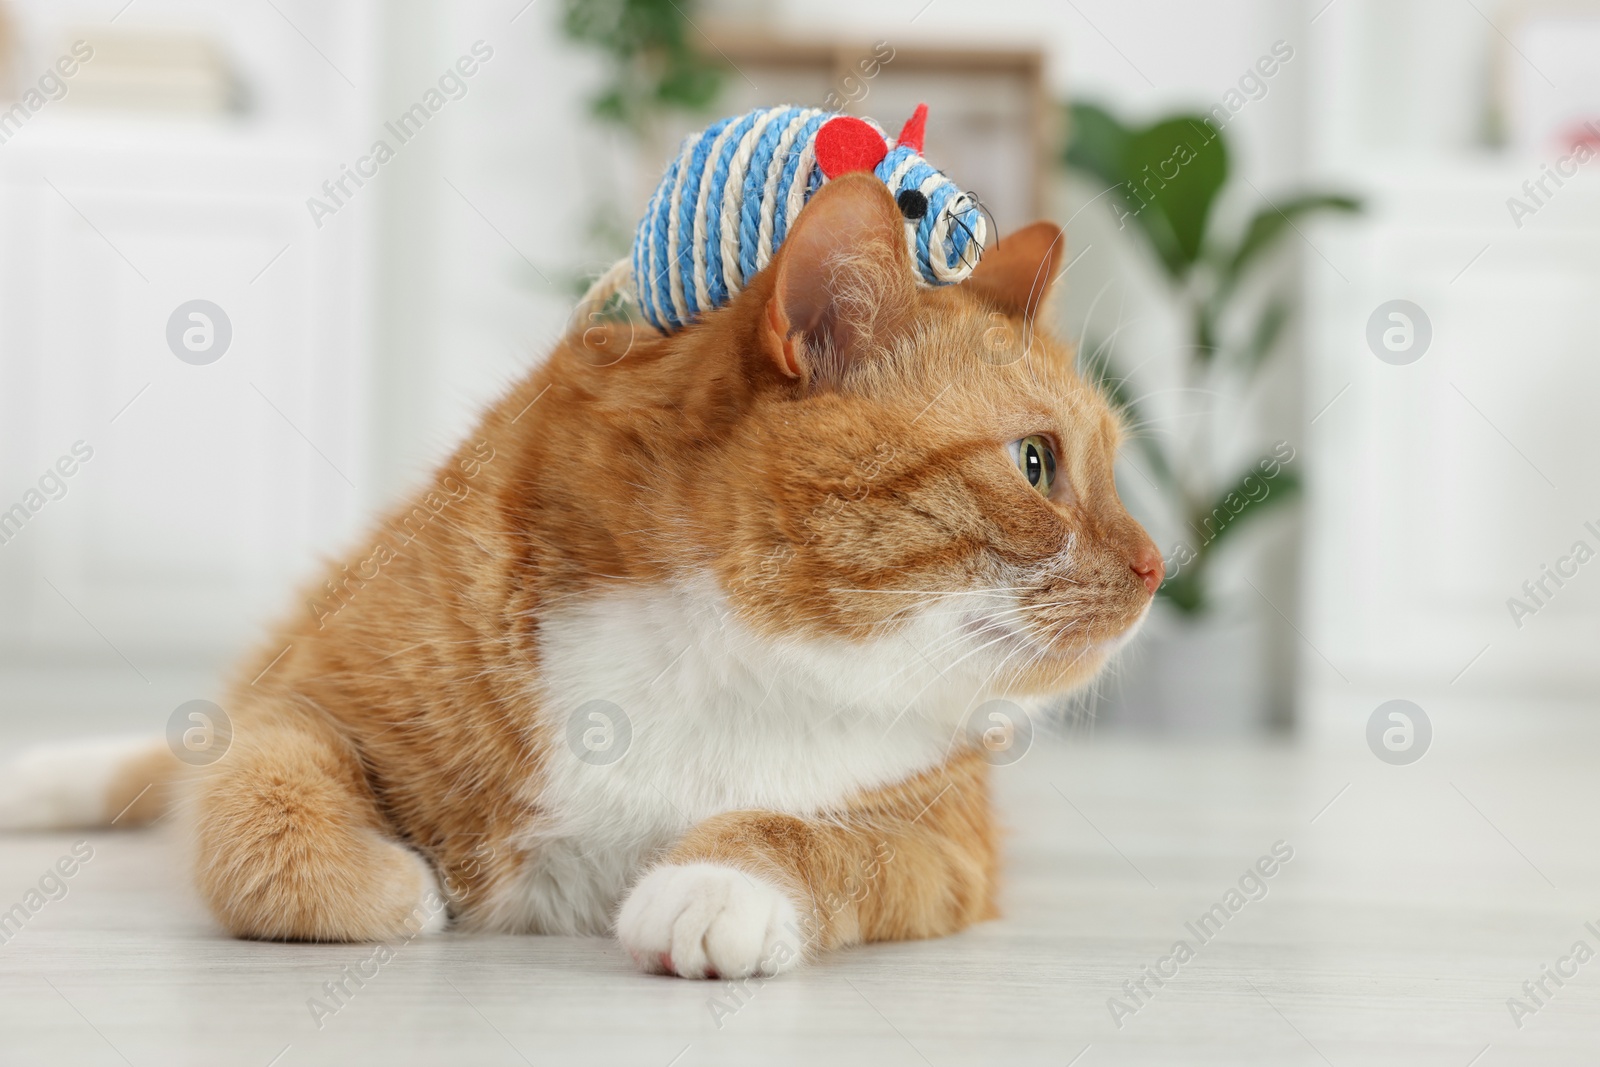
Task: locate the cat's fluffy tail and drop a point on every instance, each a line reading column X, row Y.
column 88, row 784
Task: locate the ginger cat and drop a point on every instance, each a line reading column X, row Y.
column 775, row 560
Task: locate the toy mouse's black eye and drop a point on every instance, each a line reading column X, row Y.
column 913, row 205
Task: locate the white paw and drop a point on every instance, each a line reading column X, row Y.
column 702, row 920
column 432, row 913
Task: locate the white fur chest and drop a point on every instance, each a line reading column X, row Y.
column 663, row 710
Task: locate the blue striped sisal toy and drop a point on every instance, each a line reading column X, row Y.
column 730, row 196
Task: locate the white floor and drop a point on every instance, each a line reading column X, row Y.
column 1417, row 901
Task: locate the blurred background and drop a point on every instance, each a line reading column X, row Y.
column 261, row 263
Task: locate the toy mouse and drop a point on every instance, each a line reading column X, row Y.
column 733, row 190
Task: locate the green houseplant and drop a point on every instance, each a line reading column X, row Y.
column 1163, row 181
column 652, row 65
column 652, row 68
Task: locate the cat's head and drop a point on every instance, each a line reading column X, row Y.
column 863, row 462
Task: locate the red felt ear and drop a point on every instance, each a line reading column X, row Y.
column 911, row 132
column 846, row 143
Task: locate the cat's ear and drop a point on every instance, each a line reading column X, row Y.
column 843, row 282
column 1015, row 273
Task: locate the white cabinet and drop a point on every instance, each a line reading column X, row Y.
column 210, row 487
column 1439, row 487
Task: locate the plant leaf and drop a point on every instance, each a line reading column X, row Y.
column 1205, row 334
column 1098, row 143
column 1174, row 171
column 1271, row 222
column 1239, row 503
column 1185, row 591
column 1165, row 177
column 1269, row 327
column 651, row 62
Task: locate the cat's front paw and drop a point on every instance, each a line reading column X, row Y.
column 703, row 920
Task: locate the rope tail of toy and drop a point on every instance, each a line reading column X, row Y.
column 618, row 278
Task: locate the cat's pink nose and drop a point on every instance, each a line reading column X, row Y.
column 1150, row 568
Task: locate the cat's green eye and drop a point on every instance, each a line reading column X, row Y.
column 1037, row 462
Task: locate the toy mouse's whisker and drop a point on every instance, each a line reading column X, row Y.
column 994, row 227
column 956, row 213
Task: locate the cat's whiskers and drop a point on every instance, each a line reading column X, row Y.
column 986, row 591
column 1038, row 651
column 1020, row 646
column 940, row 674
column 959, row 612
column 960, row 637
column 930, row 655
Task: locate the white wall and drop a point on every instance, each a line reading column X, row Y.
column 1443, row 485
